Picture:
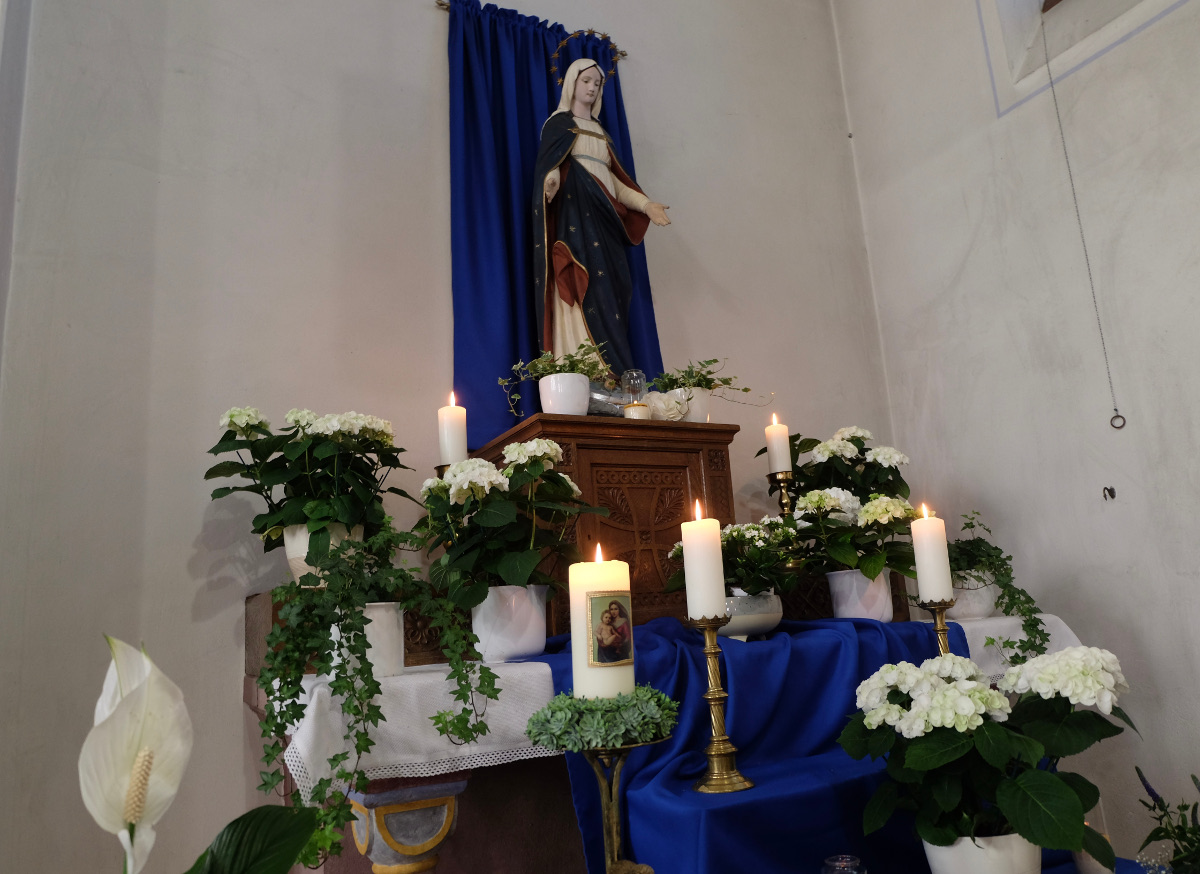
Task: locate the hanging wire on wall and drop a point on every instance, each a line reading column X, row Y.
column 1117, row 421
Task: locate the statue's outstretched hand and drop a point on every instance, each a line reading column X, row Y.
column 658, row 213
column 551, row 185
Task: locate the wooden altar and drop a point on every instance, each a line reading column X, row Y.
column 648, row 474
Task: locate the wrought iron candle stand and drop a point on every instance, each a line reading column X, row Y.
column 607, row 762
column 722, row 774
column 938, row 609
column 783, row 479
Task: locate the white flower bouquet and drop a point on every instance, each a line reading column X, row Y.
column 754, row 555
column 836, row 531
column 316, row 471
column 495, row 526
column 969, row 760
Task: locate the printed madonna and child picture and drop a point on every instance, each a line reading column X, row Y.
column 611, row 624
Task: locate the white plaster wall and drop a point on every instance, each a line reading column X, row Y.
column 14, row 42
column 997, row 382
column 226, row 203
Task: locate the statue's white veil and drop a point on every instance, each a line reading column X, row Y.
column 568, row 88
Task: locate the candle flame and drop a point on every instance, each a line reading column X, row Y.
column 774, row 419
column 925, row 510
column 699, row 512
column 452, row 400
column 599, row 555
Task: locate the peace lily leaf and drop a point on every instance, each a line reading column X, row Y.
column 139, row 709
column 265, row 840
column 1043, row 809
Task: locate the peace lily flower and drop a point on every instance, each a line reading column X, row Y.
column 134, row 756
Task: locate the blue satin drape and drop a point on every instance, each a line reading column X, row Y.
column 501, row 92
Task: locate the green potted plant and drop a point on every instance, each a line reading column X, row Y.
column 694, row 385
column 980, row 773
column 854, row 544
column 495, row 531
column 845, row 462
column 983, row 582
column 563, row 380
column 1179, row 825
column 321, row 477
column 755, row 559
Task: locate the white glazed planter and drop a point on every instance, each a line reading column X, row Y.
column 295, row 545
column 974, row 603
column 1006, row 854
column 564, row 394
column 856, row 597
column 751, row 614
column 511, row 622
column 385, row 638
column 695, row 402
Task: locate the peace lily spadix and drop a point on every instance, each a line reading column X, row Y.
column 134, row 756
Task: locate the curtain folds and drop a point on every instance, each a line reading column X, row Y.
column 501, row 92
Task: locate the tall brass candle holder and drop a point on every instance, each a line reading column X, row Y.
column 938, row 609
column 783, row 479
column 722, row 774
column 607, row 763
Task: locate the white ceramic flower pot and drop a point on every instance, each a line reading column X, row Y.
column 295, row 545
column 1006, row 854
column 385, row 638
column 564, row 394
column 695, row 402
column 511, row 622
column 974, row 603
column 856, row 597
column 751, row 614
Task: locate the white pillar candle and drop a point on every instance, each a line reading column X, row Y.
column 779, row 449
column 452, row 432
column 598, row 666
column 703, row 572
column 933, row 559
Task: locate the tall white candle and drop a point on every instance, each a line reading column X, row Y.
column 703, row 572
column 452, row 432
column 599, row 596
column 779, row 450
column 933, row 559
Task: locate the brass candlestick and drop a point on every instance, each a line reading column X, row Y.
column 722, row 774
column 441, row 469
column 783, row 479
column 938, row 609
column 607, row 762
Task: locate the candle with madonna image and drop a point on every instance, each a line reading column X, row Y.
column 601, row 628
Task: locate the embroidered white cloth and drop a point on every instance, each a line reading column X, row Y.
column 406, row 742
column 999, row 627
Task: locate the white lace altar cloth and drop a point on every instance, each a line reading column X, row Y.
column 406, row 742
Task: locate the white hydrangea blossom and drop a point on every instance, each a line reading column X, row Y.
column 241, row 419
column 1081, row 674
column 336, row 425
column 851, row 431
column 887, row 456
column 828, row 449
column 434, row 485
column 943, row 693
column 546, row 451
column 883, row 509
column 841, row 503
column 302, row 418
column 474, row 477
column 575, row 490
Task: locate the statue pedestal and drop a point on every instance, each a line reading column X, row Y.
column 649, row 474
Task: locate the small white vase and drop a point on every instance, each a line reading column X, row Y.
column 385, row 638
column 695, row 402
column 1006, row 854
column 751, row 614
column 511, row 622
column 564, row 394
column 978, row 602
column 295, row 545
column 856, row 597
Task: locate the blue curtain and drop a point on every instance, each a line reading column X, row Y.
column 501, row 92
